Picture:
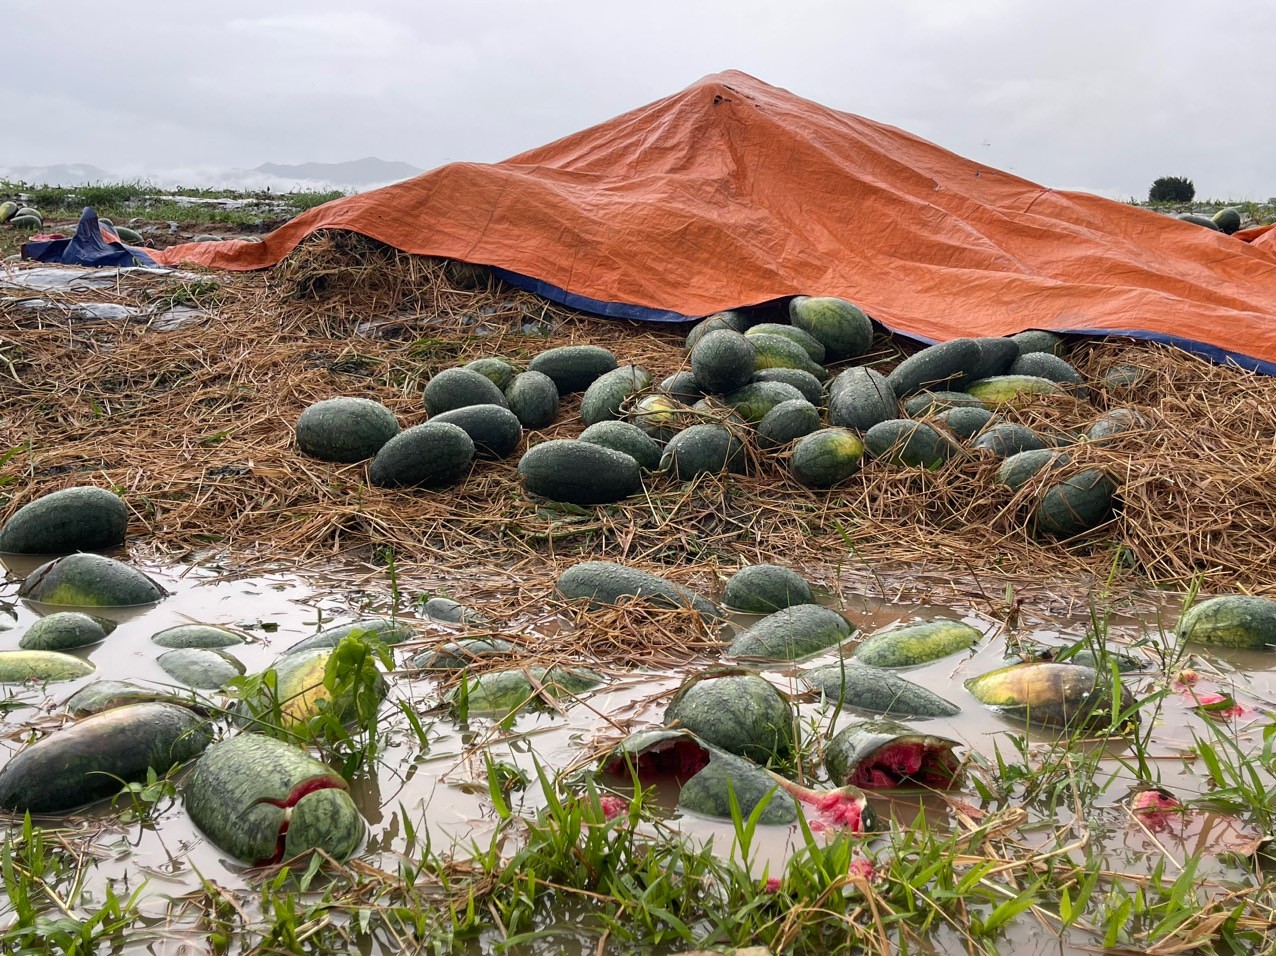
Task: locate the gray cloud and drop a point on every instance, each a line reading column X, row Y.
column 1089, row 95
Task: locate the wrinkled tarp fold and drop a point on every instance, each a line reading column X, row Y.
column 92, row 245
column 733, row 192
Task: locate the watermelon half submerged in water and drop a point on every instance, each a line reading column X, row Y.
column 710, row 779
column 883, row 754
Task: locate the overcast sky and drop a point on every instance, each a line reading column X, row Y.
column 1100, row 96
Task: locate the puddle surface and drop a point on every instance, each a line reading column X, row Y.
column 440, row 789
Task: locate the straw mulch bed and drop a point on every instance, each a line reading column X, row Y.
column 194, row 427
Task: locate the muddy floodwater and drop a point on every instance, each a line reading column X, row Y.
column 437, row 787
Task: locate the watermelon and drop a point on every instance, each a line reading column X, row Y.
column 494, row 429
column 876, row 690
column 860, row 398
column 197, row 635
column 734, row 321
column 1039, row 340
column 458, row 655
column 1008, row 438
column 791, row 633
column 345, row 429
column 918, row 643
column 299, row 692
column 19, row 667
column 722, row 362
column 1233, row 620
column 1012, row 389
column 779, row 351
column 753, row 401
column 1045, row 365
column 804, row 382
column 608, row 394
column 1115, row 422
column 573, row 367
column 812, row 346
column 533, row 398
column 62, row 631
column 944, row 366
column 964, row 423
column 62, row 522
column 682, row 387
column 264, row 801
column 882, row 754
column 627, row 438
column 606, row 584
column 90, row 580
column 200, row 667
column 1053, row 695
column 840, row 326
column 95, row 757
column 385, row 630
column 458, row 387
column 764, row 588
column 579, row 473
column 703, row 449
column 787, row 422
column 739, row 712
column 1227, row 219
column 498, row 370
column 927, row 403
column 1075, row 505
column 1199, row 220
column 1018, row 469
column 659, row 416
column 102, row 695
column 443, row 610
column 826, row 457
column 996, row 355
column 432, row 455
column 902, row 441
column 506, row 692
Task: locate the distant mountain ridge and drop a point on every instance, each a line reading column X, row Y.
column 354, row 175
column 356, row 172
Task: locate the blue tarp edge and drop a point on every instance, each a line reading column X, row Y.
column 639, row 313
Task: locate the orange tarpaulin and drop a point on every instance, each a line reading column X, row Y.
column 733, row 192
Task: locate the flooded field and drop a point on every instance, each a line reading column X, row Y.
column 429, row 786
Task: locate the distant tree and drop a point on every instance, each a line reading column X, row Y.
column 1172, row 189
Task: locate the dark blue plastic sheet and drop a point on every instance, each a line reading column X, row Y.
column 87, row 247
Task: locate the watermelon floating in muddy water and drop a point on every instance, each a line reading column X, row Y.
column 443, row 610
column 791, row 633
column 300, row 692
column 1055, row 695
column 18, row 667
column 876, row 690
column 457, row 655
column 264, row 801
column 738, row 711
column 197, row 635
column 1234, row 620
column 62, row 631
column 62, row 522
column 90, row 580
column 508, row 691
column 882, row 754
column 916, row 643
column 102, row 695
column 200, row 667
column 385, row 630
column 710, row 779
column 94, row 757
